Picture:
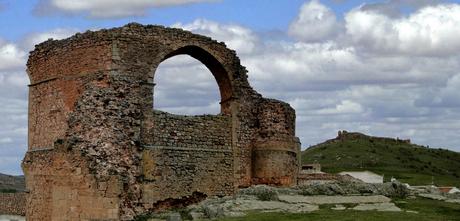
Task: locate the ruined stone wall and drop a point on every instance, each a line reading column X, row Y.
column 98, row 150
column 189, row 154
column 206, row 131
column 13, row 204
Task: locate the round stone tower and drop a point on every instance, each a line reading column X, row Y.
column 276, row 149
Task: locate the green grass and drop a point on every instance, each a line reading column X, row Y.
column 429, row 210
column 8, row 191
column 409, row 163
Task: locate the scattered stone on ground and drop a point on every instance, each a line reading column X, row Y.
column 174, row 217
column 352, row 187
column 250, row 205
column 433, row 196
column 339, row 207
column 383, row 207
column 432, row 192
column 449, row 198
column 333, row 199
column 197, row 215
column 453, row 201
column 289, row 200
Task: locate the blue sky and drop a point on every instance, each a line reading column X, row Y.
column 256, row 14
column 386, row 68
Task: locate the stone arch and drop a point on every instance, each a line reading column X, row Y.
column 214, row 66
column 90, row 109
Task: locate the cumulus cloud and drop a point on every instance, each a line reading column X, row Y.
column 430, row 31
column 446, row 96
column 11, row 56
column 5, row 140
column 345, row 107
column 13, row 137
column 29, row 41
column 395, row 8
column 11, row 165
column 107, row 8
column 185, row 86
column 13, row 103
column 238, row 38
column 315, row 22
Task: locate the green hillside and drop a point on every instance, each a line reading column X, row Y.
column 414, row 164
column 10, row 183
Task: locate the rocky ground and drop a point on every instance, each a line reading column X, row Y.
column 435, row 194
column 338, row 195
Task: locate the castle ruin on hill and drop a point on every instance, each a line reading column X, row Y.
column 99, row 151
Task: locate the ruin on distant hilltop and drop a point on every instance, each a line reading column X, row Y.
column 99, row 151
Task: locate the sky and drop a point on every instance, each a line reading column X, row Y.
column 385, row 68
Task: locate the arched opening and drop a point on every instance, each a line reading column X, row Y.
column 183, row 85
column 190, row 77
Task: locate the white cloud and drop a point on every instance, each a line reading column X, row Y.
column 238, row 38
column 447, row 96
column 10, row 165
column 11, row 56
column 13, row 106
column 395, row 8
column 108, row 8
column 315, row 22
column 430, row 31
column 14, row 79
column 303, row 63
column 6, row 140
column 35, row 38
column 185, row 86
column 345, row 107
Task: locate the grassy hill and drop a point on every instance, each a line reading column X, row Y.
column 11, row 184
column 414, row 164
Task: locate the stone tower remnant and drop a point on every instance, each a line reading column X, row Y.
column 99, row 151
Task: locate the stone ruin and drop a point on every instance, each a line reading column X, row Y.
column 99, row 151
